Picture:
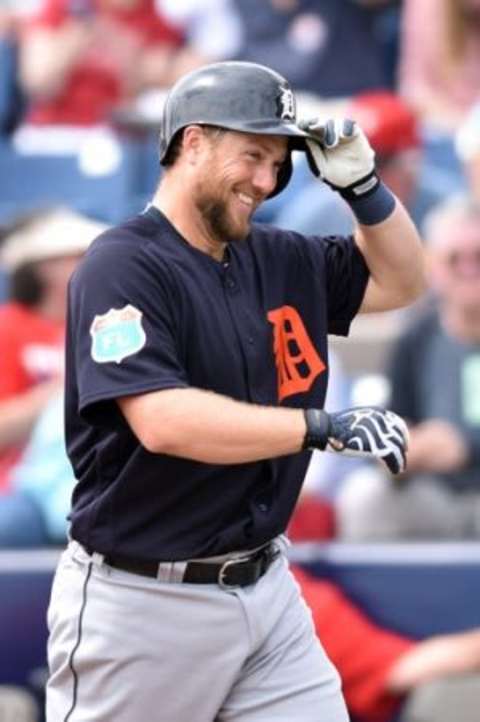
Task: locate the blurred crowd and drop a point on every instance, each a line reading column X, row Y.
column 82, row 82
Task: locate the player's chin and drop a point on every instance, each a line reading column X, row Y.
column 239, row 230
column 240, row 234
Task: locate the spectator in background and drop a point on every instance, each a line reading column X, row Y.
column 11, row 102
column 439, row 67
column 315, row 44
column 467, row 144
column 80, row 59
column 435, row 378
column 40, row 255
column 330, row 49
column 381, row 670
column 440, row 59
column 44, row 478
column 212, row 28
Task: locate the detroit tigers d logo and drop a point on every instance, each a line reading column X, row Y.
column 298, row 363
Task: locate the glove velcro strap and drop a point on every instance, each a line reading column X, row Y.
column 374, row 206
column 318, row 428
column 362, row 188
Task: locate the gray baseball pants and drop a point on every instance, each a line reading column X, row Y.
column 127, row 648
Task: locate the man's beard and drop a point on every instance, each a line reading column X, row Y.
column 216, row 216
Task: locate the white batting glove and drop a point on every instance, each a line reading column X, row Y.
column 365, row 431
column 341, row 155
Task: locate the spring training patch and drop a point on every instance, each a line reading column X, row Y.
column 117, row 334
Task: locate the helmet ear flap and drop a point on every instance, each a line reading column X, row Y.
column 284, row 175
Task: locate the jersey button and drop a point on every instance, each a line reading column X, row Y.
column 231, row 283
column 263, row 507
column 250, row 340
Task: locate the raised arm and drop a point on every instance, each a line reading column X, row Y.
column 395, row 258
column 340, row 154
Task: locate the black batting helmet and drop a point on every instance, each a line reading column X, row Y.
column 238, row 96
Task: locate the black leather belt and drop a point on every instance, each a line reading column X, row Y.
column 237, row 572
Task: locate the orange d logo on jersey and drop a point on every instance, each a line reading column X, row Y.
column 298, row 363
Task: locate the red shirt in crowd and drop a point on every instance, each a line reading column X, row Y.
column 362, row 652
column 31, row 351
column 95, row 84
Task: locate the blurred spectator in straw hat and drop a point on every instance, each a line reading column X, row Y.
column 39, row 252
column 392, row 129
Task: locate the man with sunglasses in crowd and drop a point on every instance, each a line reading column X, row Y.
column 435, row 378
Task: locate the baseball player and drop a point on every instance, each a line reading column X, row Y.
column 197, row 366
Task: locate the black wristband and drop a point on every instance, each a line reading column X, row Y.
column 318, row 429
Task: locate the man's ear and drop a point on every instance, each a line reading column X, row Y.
column 194, row 142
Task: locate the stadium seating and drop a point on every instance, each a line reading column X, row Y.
column 106, row 177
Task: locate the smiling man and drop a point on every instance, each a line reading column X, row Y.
column 231, row 174
column 197, row 367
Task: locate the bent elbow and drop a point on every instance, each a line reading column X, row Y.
column 154, row 442
column 419, row 285
column 411, row 286
column 415, row 291
column 165, row 441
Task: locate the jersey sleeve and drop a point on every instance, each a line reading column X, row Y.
column 347, row 275
column 362, row 651
column 122, row 327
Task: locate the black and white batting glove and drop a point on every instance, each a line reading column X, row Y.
column 341, row 155
column 364, row 431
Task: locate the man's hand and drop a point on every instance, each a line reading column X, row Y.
column 434, row 658
column 363, row 431
column 437, row 446
column 341, row 155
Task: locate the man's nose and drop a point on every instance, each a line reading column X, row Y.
column 265, row 179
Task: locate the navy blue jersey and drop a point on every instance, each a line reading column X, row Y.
column 147, row 311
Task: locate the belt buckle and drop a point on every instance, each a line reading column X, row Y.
column 223, row 570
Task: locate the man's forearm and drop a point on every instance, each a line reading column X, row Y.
column 211, row 428
column 208, row 427
column 435, row 658
column 395, row 257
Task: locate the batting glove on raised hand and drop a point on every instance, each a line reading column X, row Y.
column 364, row 431
column 341, row 155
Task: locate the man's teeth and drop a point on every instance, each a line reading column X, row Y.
column 245, row 199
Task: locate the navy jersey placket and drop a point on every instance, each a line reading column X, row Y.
column 233, row 299
column 255, row 343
